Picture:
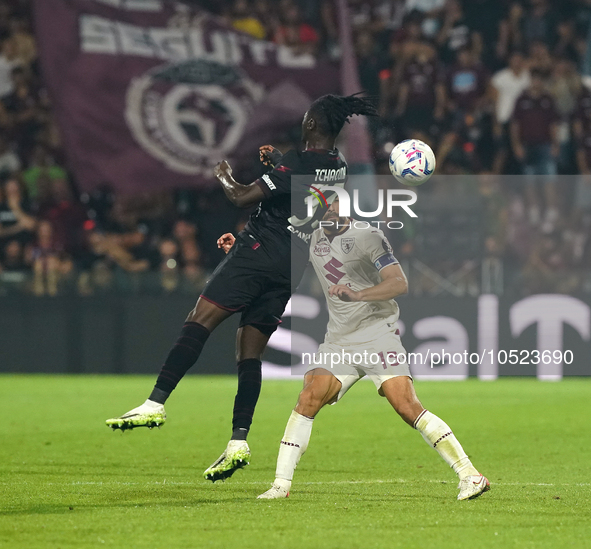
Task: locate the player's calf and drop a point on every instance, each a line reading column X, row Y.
column 320, row 388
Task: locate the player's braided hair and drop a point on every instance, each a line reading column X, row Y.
column 332, row 111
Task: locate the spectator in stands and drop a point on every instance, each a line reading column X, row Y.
column 566, row 44
column 13, row 257
column 7, row 63
column 41, row 166
column 66, row 215
column 23, row 111
column 535, row 141
column 538, row 23
column 16, row 221
column 51, row 265
column 507, row 85
column 485, row 18
column 9, row 161
column 264, row 11
column 430, row 12
column 295, row 33
column 244, row 19
column 189, row 253
column 421, row 97
column 372, row 65
column 23, row 42
column 169, row 265
column 539, row 58
column 455, row 34
column 467, row 83
column 534, row 134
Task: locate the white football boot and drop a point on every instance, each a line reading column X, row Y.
column 473, row 486
column 149, row 414
column 279, row 489
column 236, row 456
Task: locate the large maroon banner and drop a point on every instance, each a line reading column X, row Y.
column 145, row 100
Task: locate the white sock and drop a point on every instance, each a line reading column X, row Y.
column 293, row 445
column 439, row 436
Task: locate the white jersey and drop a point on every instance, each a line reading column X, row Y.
column 354, row 259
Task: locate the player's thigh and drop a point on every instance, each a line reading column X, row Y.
column 237, row 280
column 331, row 359
column 208, row 314
column 321, row 387
column 265, row 311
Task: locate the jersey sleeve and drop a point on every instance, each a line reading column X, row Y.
column 278, row 181
column 379, row 250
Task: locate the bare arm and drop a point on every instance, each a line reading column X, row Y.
column 518, row 149
column 243, row 196
column 393, row 284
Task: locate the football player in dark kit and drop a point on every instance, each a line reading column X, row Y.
column 260, row 273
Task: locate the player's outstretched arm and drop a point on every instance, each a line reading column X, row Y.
column 243, row 196
column 393, row 284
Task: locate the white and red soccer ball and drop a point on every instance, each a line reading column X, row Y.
column 412, row 162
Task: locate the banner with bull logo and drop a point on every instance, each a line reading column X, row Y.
column 146, row 100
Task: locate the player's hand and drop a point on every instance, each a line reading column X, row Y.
column 226, row 241
column 269, row 155
column 344, row 293
column 222, row 169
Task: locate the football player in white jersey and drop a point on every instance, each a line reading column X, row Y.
column 360, row 278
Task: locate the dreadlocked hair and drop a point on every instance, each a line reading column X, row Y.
column 332, row 111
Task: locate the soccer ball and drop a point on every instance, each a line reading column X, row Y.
column 412, row 162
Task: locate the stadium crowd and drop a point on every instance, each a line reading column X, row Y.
column 494, row 86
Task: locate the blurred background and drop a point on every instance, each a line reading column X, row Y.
column 109, row 215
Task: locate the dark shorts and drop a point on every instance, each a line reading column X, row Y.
column 252, row 282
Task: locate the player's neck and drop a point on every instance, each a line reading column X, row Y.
column 319, row 143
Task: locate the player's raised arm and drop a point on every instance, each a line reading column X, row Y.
column 243, row 196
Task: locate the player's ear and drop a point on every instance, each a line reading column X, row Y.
column 311, row 125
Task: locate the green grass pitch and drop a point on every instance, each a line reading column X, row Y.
column 367, row 480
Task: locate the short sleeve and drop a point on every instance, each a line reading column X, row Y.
column 497, row 80
column 379, row 250
column 277, row 182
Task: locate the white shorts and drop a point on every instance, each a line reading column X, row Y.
column 377, row 359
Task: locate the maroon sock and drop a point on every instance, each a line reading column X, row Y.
column 181, row 357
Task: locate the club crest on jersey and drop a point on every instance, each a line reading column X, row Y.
column 321, row 249
column 347, row 244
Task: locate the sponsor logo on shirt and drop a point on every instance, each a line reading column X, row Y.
column 269, row 182
column 321, row 249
